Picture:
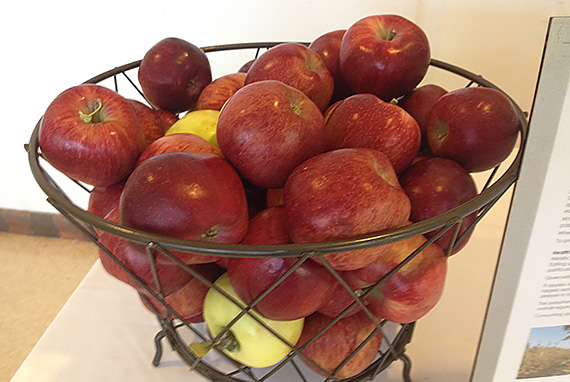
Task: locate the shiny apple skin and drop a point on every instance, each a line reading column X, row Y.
column 436, row 185
column 297, row 66
column 104, row 199
column 217, row 93
column 477, row 127
column 328, row 47
column 99, row 153
column 170, row 276
column 300, row 294
column 372, row 60
column 364, row 120
column 267, row 128
column 150, row 121
column 184, row 142
column 173, row 73
column 189, row 196
column 343, row 194
column 411, row 292
column 418, row 104
column 337, row 343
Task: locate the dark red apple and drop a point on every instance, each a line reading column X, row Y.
column 297, row 66
column 274, row 197
column 411, row 292
column 343, row 194
column 91, row 134
column 170, row 276
column 477, row 127
column 256, row 198
column 436, row 185
column 386, row 55
column 418, row 104
column 150, row 121
column 364, row 120
column 173, row 73
column 267, row 128
column 328, row 47
column 189, row 299
column 299, row 295
column 185, row 142
column 104, row 199
column 216, row 93
column 339, row 342
column 189, row 196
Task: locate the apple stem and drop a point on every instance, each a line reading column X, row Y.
column 212, row 232
column 296, row 108
column 391, row 35
column 228, row 342
column 200, row 349
column 92, row 117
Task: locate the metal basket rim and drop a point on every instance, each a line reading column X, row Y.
column 451, row 217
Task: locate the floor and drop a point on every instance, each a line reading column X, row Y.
column 37, row 276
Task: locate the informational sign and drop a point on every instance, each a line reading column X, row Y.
column 526, row 334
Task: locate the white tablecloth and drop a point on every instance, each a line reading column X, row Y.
column 103, row 333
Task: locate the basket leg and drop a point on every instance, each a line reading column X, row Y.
column 158, row 345
column 407, row 367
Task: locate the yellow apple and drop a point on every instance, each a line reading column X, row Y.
column 247, row 341
column 200, row 122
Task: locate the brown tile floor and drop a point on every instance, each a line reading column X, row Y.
column 37, row 276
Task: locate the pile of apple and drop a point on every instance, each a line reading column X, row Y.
column 304, row 144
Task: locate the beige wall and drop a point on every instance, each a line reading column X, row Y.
column 50, row 46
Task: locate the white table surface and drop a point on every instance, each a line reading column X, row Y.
column 103, row 333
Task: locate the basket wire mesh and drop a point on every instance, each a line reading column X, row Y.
column 176, row 330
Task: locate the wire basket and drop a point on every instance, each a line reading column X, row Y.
column 179, row 333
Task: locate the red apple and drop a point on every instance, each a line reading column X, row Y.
column 411, row 292
column 342, row 194
column 339, row 342
column 104, row 199
column 166, row 118
column 170, row 276
column 330, row 109
column 91, row 134
column 299, row 295
column 185, row 142
column 477, row 127
column 436, row 185
column 267, row 128
column 154, row 306
column 245, row 67
column 189, row 196
column 189, row 299
column 341, row 298
column 364, row 120
column 173, row 73
column 151, row 123
column 328, row 47
column 216, row 93
column 386, row 55
column 297, row 66
column 418, row 104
